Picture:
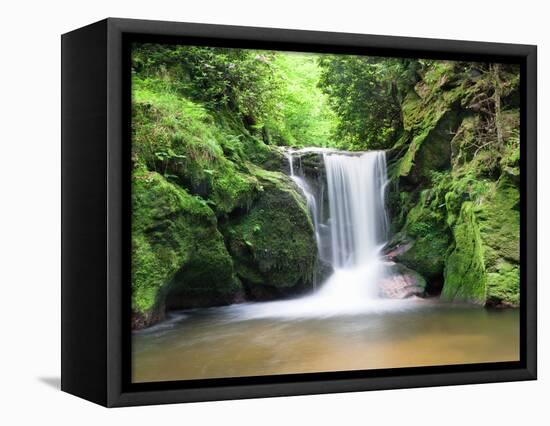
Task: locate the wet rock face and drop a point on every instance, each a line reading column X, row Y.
column 309, row 164
column 401, row 282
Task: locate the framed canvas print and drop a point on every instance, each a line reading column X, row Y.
column 253, row 212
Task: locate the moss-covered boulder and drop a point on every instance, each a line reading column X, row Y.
column 179, row 257
column 273, row 245
column 465, row 275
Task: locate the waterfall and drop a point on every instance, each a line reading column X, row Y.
column 353, row 233
column 358, row 224
column 356, row 187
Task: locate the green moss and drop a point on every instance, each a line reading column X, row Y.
column 499, row 224
column 175, row 241
column 431, row 116
column 426, row 227
column 410, row 107
column 207, row 279
column 465, row 278
column 503, row 285
column 509, row 162
column 273, row 245
column 405, row 164
column 464, row 139
column 399, row 204
column 194, row 148
column 149, row 273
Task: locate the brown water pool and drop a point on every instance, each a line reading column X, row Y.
column 249, row 340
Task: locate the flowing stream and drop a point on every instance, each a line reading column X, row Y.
column 342, row 324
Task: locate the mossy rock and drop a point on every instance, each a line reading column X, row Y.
column 428, row 236
column 431, row 116
column 308, row 163
column 434, row 153
column 503, row 285
column 176, row 249
column 430, row 148
column 465, row 275
column 464, row 140
column 499, row 220
column 499, row 225
column 273, row 245
column 268, row 157
column 427, row 255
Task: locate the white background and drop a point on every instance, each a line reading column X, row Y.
column 30, row 211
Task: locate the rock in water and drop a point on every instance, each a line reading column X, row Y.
column 401, row 282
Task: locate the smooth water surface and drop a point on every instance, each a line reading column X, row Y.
column 261, row 339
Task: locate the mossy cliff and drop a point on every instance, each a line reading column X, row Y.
column 454, row 196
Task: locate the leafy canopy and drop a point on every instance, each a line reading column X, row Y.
column 366, row 93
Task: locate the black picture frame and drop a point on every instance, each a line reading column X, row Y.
column 96, row 203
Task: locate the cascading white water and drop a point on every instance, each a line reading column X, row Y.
column 358, row 225
column 356, row 186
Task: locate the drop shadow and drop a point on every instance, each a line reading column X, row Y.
column 53, row 382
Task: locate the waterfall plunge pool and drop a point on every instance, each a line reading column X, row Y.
column 255, row 339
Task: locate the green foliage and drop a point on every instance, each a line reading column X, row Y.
column 302, row 116
column 180, row 139
column 366, row 94
column 503, row 285
column 238, row 79
column 273, row 94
